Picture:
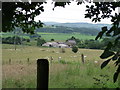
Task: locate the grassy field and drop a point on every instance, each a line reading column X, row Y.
column 63, row 36
column 55, row 36
column 70, row 72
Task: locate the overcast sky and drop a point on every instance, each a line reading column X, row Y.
column 71, row 13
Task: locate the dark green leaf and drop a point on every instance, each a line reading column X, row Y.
column 109, row 31
column 87, row 6
column 118, row 69
column 100, row 34
column 106, row 54
column 117, row 62
column 104, row 29
column 116, row 31
column 115, row 76
column 79, row 3
column 109, row 46
column 115, row 57
column 105, row 63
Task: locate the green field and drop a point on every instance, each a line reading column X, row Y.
column 70, row 72
column 63, row 37
column 55, row 36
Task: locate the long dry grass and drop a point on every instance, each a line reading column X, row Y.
column 69, row 73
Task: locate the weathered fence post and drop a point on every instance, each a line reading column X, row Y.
column 42, row 74
column 82, row 57
column 28, row 60
column 51, row 59
column 9, row 61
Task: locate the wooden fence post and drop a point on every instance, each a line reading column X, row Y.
column 42, row 74
column 9, row 61
column 82, row 57
column 28, row 60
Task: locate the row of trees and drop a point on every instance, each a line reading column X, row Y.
column 95, row 44
column 65, row 29
column 14, row 40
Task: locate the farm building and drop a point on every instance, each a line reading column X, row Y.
column 71, row 43
column 55, row 44
column 50, row 44
column 63, row 46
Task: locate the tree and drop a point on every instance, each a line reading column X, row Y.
column 21, row 14
column 74, row 49
column 96, row 12
column 52, row 39
column 40, row 41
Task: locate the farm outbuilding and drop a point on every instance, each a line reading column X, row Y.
column 63, row 46
column 55, row 44
column 71, row 43
column 50, row 44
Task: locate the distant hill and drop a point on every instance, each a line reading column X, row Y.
column 51, row 23
column 79, row 25
column 68, row 30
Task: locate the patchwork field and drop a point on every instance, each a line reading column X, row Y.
column 69, row 72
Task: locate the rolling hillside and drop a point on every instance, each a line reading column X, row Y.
column 68, row 30
column 79, row 25
column 83, row 28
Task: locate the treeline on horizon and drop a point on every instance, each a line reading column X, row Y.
column 63, row 29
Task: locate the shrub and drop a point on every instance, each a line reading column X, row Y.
column 74, row 49
column 40, row 41
column 52, row 40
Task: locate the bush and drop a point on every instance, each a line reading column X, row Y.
column 28, row 40
column 52, row 40
column 74, row 49
column 11, row 40
column 40, row 41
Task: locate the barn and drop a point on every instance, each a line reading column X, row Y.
column 51, row 44
column 71, row 43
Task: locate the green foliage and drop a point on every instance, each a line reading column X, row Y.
column 94, row 13
column 13, row 17
column 40, row 41
column 52, row 40
column 14, row 40
column 74, row 49
column 91, row 44
column 105, row 63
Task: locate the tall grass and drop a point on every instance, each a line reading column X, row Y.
column 70, row 72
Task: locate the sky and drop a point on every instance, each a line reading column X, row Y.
column 70, row 14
